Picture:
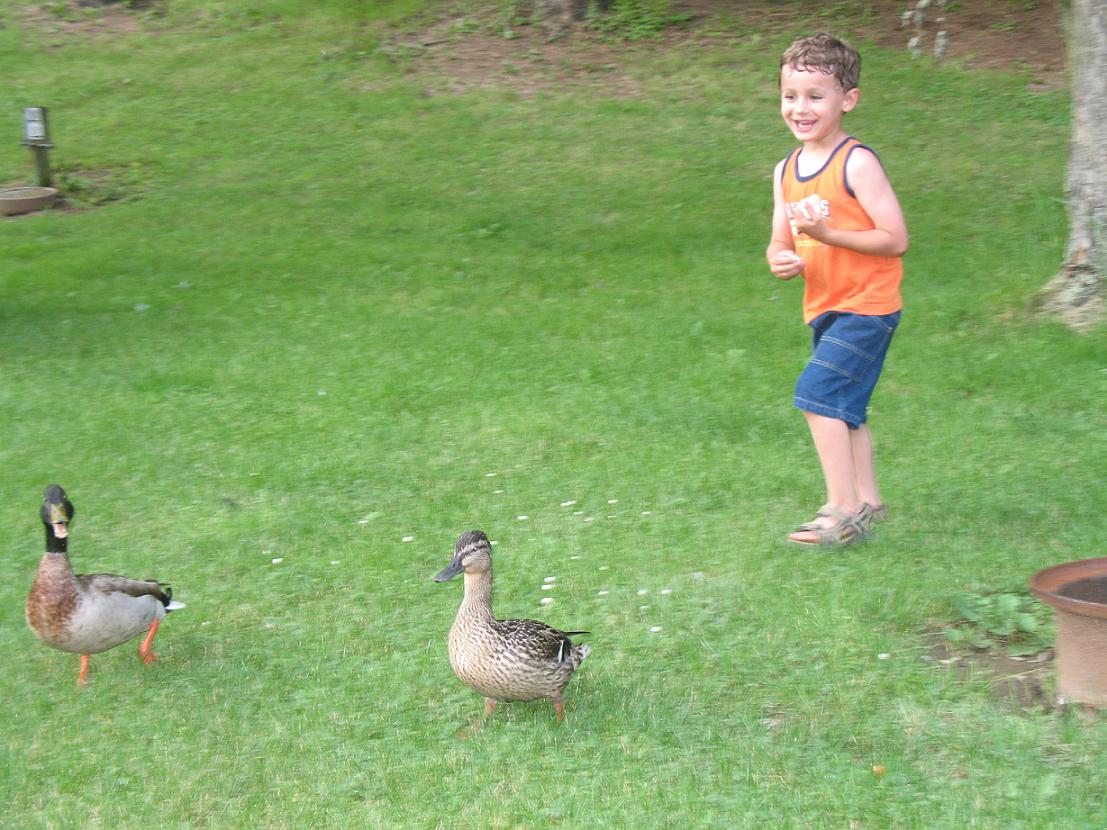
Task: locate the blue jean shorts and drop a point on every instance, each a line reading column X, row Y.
column 848, row 353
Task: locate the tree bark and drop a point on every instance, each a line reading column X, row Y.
column 1076, row 293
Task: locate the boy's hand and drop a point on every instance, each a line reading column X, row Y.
column 786, row 264
column 807, row 217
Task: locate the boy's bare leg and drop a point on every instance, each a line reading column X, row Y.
column 864, row 470
column 835, row 450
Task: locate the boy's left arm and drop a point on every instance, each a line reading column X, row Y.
column 874, row 192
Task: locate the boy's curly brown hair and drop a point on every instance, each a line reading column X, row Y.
column 827, row 54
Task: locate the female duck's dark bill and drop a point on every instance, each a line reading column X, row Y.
column 449, row 572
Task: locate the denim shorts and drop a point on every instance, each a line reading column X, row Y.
column 847, row 355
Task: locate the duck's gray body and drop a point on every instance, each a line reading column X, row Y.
column 90, row 613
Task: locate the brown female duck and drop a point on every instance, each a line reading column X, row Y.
column 504, row 659
column 89, row 613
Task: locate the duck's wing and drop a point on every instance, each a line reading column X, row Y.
column 113, row 583
column 538, row 640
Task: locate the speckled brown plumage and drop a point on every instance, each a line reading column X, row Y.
column 88, row 613
column 504, row 659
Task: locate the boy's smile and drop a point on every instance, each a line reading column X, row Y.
column 812, row 104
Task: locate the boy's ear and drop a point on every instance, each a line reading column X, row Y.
column 850, row 101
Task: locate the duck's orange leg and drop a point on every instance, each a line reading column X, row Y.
column 477, row 725
column 489, row 706
column 144, row 649
column 82, row 678
column 559, row 709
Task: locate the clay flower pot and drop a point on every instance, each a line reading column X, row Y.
column 1077, row 592
column 15, row 200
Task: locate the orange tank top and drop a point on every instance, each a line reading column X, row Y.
column 838, row 279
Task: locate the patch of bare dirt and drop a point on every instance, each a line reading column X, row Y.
column 529, row 60
column 476, row 50
column 85, row 189
column 1024, row 681
column 1021, row 35
column 86, row 17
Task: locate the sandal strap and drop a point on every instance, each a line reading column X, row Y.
column 836, row 534
column 878, row 512
column 835, row 513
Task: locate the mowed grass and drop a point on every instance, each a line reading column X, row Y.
column 334, row 321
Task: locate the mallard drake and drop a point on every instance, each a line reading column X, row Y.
column 89, row 613
column 504, row 660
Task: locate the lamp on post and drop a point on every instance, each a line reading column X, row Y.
column 36, row 135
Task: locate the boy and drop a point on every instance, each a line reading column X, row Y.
column 837, row 221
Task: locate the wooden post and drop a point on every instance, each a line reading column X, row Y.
column 36, row 135
column 42, row 165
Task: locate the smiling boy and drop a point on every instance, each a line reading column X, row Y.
column 836, row 221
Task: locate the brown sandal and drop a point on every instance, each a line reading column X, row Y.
column 847, row 528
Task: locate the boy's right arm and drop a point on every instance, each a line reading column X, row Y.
column 784, row 262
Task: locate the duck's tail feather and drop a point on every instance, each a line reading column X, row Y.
column 566, row 648
column 167, row 599
column 579, row 653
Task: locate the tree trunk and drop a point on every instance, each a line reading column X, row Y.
column 1076, row 294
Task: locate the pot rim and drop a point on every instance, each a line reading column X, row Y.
column 1046, row 582
column 29, row 192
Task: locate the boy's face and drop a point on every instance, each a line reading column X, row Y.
column 813, row 103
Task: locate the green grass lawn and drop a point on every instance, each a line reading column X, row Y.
column 312, row 322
